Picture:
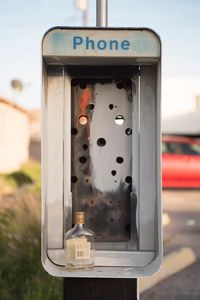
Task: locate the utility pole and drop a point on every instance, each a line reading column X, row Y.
column 82, row 5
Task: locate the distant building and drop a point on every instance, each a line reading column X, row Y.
column 35, row 134
column 181, row 106
column 14, row 136
column 185, row 124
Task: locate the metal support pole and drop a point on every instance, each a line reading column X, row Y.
column 85, row 18
column 100, row 289
column 101, row 13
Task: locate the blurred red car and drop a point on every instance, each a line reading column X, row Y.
column 180, row 162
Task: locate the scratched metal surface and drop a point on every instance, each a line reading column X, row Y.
column 102, row 156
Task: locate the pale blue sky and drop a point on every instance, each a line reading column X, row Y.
column 23, row 23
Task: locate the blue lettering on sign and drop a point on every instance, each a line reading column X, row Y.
column 90, row 44
column 77, row 40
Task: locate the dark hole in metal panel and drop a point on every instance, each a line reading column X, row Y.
column 74, row 131
column 128, row 131
column 101, row 142
column 119, row 120
column 74, row 179
column 91, row 106
column 119, row 160
column 85, row 147
column 128, row 179
column 113, row 172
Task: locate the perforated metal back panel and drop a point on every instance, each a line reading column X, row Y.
column 102, row 155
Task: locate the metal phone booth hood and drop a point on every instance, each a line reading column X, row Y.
column 101, row 147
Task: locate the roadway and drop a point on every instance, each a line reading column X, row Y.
column 183, row 230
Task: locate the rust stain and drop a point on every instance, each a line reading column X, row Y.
column 84, row 102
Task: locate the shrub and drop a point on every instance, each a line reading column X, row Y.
column 21, row 274
column 19, row 178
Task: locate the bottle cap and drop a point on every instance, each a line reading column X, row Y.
column 79, row 217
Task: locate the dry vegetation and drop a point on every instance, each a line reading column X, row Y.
column 21, row 275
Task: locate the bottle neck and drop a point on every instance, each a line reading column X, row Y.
column 78, row 225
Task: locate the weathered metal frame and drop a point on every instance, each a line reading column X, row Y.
column 56, row 173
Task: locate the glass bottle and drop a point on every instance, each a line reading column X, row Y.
column 79, row 245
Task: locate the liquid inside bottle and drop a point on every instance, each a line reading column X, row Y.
column 79, row 245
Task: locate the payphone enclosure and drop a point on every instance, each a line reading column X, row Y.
column 101, row 147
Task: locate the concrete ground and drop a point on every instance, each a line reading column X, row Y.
column 181, row 277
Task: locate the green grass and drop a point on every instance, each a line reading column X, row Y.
column 6, row 186
column 33, row 170
column 22, row 276
column 19, row 178
column 29, row 174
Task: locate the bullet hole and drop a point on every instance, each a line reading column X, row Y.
column 128, row 179
column 85, row 146
column 119, row 160
column 119, row 120
column 74, row 179
column 92, row 201
column 74, row 82
column 87, row 180
column 111, row 219
column 113, row 172
column 128, row 131
column 101, row 142
column 74, row 131
column 83, row 85
column 110, row 201
column 83, row 159
column 128, row 227
column 120, row 85
column 91, row 106
column 115, row 180
column 82, row 120
column 111, row 106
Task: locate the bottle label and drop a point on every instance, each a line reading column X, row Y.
column 78, row 248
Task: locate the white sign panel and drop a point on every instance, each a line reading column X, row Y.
column 101, row 43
